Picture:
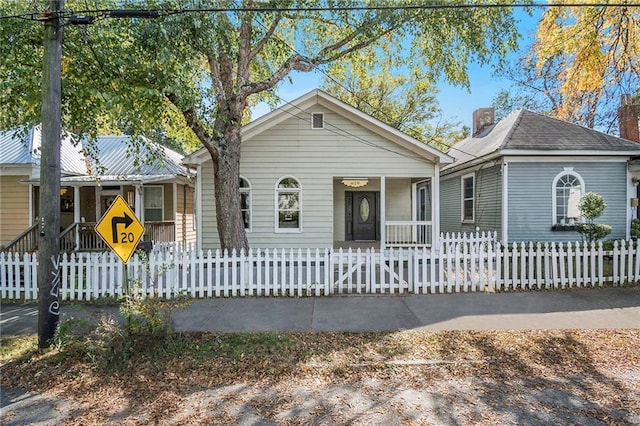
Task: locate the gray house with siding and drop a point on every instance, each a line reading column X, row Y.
column 318, row 173
column 523, row 178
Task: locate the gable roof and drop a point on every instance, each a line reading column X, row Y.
column 319, row 97
column 22, row 147
column 525, row 132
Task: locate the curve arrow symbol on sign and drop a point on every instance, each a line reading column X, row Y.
column 126, row 219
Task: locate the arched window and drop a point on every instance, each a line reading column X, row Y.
column 245, row 202
column 288, row 205
column 568, row 188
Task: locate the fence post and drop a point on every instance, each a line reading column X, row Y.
column 615, row 261
column 636, row 272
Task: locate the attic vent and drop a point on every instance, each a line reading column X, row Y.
column 317, row 120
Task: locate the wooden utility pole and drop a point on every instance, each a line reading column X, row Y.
column 49, row 214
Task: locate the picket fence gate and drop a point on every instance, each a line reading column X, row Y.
column 454, row 267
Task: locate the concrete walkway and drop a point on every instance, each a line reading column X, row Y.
column 580, row 309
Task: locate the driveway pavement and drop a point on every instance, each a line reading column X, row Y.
column 580, row 309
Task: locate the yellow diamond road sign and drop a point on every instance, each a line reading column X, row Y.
column 120, row 229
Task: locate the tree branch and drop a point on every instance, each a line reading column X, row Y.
column 191, row 118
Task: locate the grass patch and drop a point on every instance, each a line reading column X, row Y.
column 17, row 348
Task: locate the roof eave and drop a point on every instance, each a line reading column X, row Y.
column 471, row 163
column 580, row 153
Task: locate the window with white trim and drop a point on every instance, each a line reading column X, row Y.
column 153, row 203
column 317, row 120
column 468, row 198
column 288, row 206
column 245, row 202
column 568, row 188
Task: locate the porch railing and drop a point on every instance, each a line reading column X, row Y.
column 83, row 237
column 88, row 239
column 159, row 232
column 410, row 233
column 68, row 240
column 23, row 243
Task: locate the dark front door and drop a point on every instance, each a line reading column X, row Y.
column 362, row 216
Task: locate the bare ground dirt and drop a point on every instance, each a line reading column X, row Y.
column 589, row 377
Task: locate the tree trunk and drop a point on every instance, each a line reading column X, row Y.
column 49, row 214
column 226, row 168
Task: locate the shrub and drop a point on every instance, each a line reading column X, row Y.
column 591, row 207
column 635, row 228
column 593, row 231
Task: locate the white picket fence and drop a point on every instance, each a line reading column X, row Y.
column 453, row 267
column 469, row 237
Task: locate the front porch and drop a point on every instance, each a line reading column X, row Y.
column 398, row 234
column 385, row 212
column 164, row 208
column 83, row 237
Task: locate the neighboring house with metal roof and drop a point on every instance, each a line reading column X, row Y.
column 149, row 176
column 20, row 162
column 318, row 173
column 523, row 177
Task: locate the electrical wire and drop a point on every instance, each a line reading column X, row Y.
column 326, row 74
column 153, row 13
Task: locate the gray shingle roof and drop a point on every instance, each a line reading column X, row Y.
column 529, row 131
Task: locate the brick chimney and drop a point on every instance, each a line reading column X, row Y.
column 628, row 119
column 482, row 118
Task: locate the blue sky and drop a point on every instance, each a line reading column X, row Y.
column 457, row 103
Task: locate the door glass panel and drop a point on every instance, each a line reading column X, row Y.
column 364, row 209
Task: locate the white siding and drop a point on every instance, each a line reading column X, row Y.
column 314, row 157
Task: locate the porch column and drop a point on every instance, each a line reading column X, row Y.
column 383, row 215
column 139, row 210
column 97, row 193
column 76, row 213
column 76, row 204
column 175, row 212
column 435, row 208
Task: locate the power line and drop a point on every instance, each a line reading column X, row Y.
column 399, row 126
column 87, row 16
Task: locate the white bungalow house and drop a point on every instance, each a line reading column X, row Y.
column 318, row 173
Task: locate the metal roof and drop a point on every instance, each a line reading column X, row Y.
column 113, row 157
column 122, row 155
column 22, row 146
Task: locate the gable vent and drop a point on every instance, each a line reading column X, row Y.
column 317, row 120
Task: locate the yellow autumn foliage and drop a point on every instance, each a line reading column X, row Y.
column 590, row 47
